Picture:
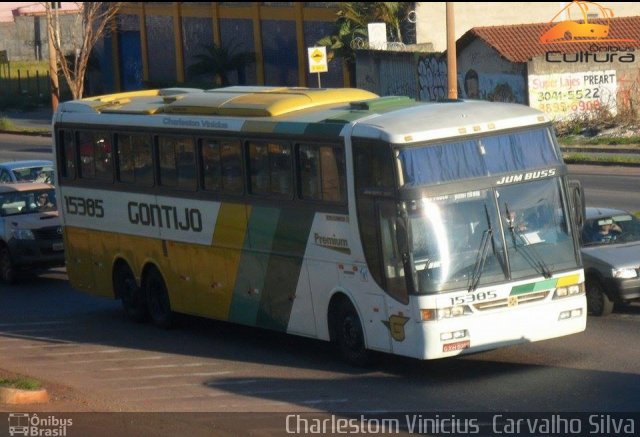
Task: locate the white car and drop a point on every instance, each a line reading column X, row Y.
column 12, row 172
column 30, row 229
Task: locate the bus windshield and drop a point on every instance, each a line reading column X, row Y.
column 463, row 240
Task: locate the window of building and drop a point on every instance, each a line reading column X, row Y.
column 177, row 162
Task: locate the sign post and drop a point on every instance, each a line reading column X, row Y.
column 318, row 61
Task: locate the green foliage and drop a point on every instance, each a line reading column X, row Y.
column 218, row 61
column 576, row 158
column 351, row 24
column 21, row 383
column 6, row 124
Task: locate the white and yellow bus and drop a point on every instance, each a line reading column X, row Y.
column 378, row 223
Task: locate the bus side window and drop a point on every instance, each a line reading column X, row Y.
column 68, row 155
column 322, row 173
column 177, row 162
column 270, row 168
column 95, row 155
column 134, row 159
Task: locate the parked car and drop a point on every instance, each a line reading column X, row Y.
column 30, row 229
column 611, row 257
column 26, row 171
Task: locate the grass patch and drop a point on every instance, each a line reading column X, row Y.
column 21, row 383
column 589, row 158
column 6, row 124
column 599, row 141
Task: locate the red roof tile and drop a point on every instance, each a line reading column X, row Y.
column 521, row 42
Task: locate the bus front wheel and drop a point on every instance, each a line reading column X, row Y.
column 133, row 298
column 158, row 303
column 349, row 336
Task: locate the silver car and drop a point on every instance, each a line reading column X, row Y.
column 12, row 172
column 611, row 257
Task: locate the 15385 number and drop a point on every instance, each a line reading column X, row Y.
column 85, row 207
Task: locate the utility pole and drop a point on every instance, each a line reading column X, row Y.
column 452, row 67
column 53, row 59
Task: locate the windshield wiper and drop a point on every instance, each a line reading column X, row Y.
column 478, row 268
column 532, row 257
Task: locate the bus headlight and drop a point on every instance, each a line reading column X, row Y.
column 571, row 290
column 23, row 234
column 456, row 311
column 624, row 273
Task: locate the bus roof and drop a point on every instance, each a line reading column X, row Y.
column 322, row 112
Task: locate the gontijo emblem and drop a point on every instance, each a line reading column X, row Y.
column 318, row 59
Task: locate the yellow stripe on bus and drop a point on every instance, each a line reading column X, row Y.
column 568, row 280
column 218, row 269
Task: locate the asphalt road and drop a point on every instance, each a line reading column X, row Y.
column 52, row 332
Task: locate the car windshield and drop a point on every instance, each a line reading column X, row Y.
column 612, row 229
column 42, row 174
column 27, row 202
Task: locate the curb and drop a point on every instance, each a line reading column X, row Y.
column 16, row 396
column 27, row 133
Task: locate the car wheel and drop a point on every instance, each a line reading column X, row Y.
column 349, row 336
column 133, row 298
column 598, row 303
column 7, row 269
column 158, row 303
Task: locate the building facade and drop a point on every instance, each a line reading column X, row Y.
column 156, row 43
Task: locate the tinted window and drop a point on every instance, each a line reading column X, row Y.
column 270, row 167
column 67, row 152
column 322, row 173
column 221, row 165
column 135, row 163
column 96, row 161
column 177, row 162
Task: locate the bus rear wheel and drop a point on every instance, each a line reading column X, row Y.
column 158, row 303
column 349, row 336
column 133, row 298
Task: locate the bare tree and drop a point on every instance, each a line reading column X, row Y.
column 95, row 17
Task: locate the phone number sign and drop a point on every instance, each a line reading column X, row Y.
column 564, row 95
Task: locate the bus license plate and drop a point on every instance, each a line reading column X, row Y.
column 58, row 246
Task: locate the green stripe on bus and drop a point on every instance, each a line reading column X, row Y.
column 324, row 129
column 534, row 286
column 253, row 265
column 287, row 127
column 283, row 273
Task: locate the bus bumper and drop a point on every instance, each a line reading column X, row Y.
column 493, row 329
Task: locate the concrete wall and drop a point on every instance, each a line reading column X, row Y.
column 387, row 73
column 431, row 16
column 484, row 74
column 26, row 39
column 569, row 89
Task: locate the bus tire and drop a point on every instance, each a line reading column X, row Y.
column 7, row 269
column 598, row 303
column 349, row 336
column 158, row 303
column 132, row 297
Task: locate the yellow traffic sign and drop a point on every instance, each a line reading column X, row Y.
column 317, row 59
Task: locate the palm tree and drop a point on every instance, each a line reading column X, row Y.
column 219, row 61
column 351, row 23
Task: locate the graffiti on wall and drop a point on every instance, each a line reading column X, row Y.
column 565, row 95
column 494, row 87
column 432, row 77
